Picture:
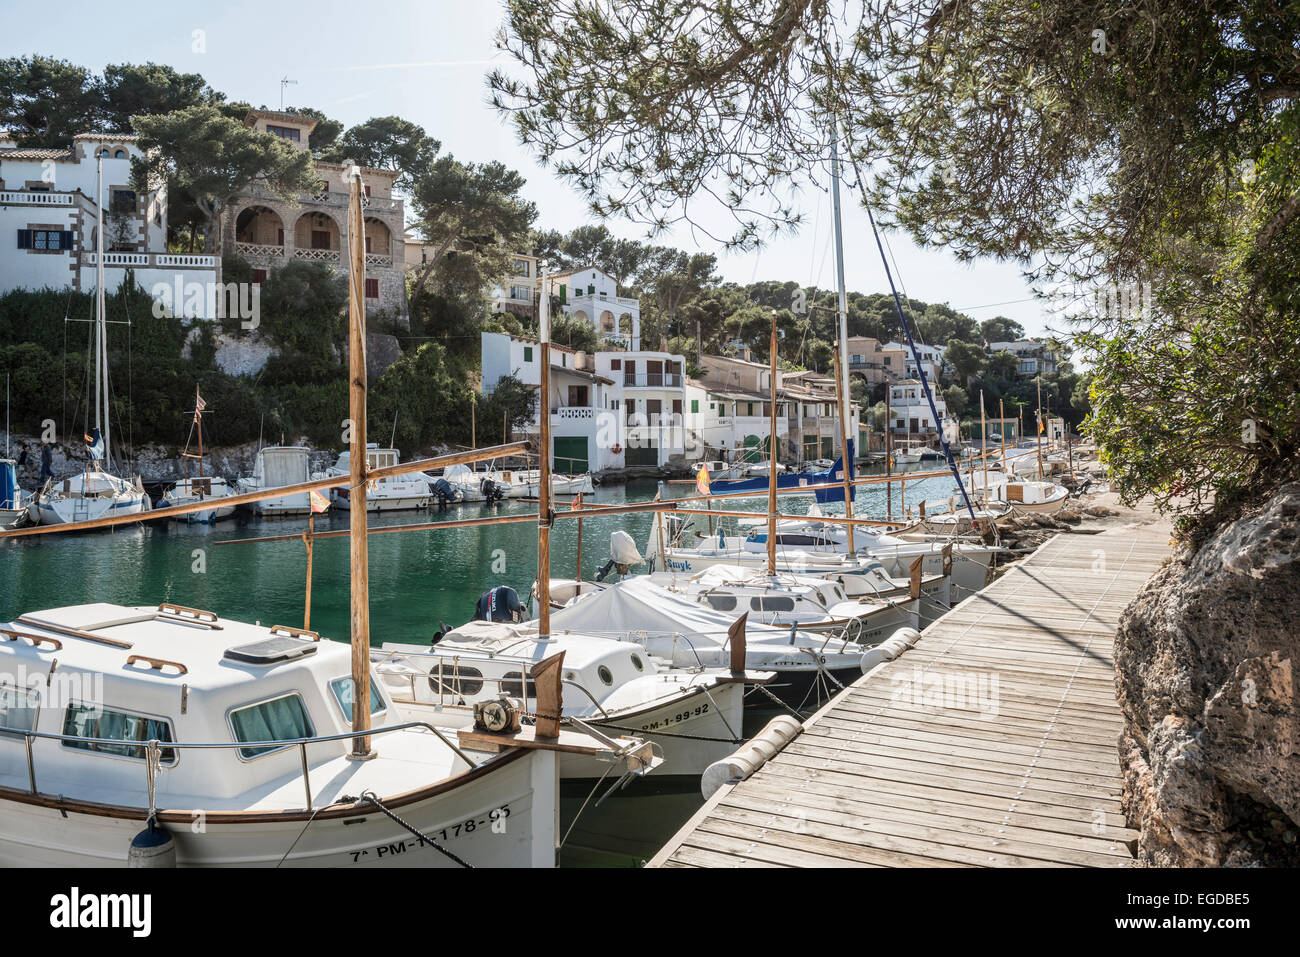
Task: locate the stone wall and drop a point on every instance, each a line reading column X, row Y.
column 1206, row 663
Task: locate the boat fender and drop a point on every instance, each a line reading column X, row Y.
column 751, row 755
column 872, row 658
column 908, row 636
column 152, row 847
column 623, row 551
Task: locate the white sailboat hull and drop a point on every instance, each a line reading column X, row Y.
column 65, row 511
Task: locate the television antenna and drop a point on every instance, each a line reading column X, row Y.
column 285, row 81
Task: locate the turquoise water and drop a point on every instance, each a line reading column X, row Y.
column 416, row 579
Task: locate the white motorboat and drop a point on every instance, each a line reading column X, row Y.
column 609, row 685
column 808, row 602
column 391, row 494
column 193, row 491
column 495, row 484
column 247, row 732
column 809, row 666
column 998, row 490
column 718, row 470
column 276, row 466
column 907, row 454
column 15, row 503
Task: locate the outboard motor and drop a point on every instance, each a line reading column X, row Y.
column 622, row 555
column 499, row 604
column 443, row 492
column 492, row 492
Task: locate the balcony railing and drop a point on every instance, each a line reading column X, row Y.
column 376, row 259
column 151, row 260
column 317, row 255
column 653, row 380
column 259, row 250
column 26, row 197
column 573, row 413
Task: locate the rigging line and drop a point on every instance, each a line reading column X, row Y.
column 916, row 355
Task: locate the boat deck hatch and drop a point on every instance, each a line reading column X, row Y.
column 271, row 651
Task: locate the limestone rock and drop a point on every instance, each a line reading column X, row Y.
column 1205, row 660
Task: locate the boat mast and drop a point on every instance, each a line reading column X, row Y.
column 544, row 463
column 1002, row 435
column 889, row 458
column 842, row 353
column 1040, row 428
column 101, row 351
column 198, row 418
column 358, row 466
column 984, row 441
column 771, row 464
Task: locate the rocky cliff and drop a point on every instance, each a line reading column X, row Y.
column 1206, row 662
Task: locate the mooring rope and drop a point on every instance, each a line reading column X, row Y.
column 370, row 796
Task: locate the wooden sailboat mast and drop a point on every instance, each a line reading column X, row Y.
column 544, row 463
column 358, row 467
column 771, row 457
column 101, row 346
column 842, row 352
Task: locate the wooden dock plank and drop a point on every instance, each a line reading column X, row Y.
column 991, row 742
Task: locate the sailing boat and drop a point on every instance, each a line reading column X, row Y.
column 15, row 504
column 203, row 488
column 235, row 744
column 96, row 492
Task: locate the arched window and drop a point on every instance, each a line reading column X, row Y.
column 120, row 154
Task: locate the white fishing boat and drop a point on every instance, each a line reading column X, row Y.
column 821, row 548
column 490, row 485
column 809, row 666
column 233, row 738
column 15, row 503
column 390, row 494
column 95, row 492
column 695, row 715
column 718, row 470
column 807, row 602
column 274, row 467
column 194, row 491
column 998, row 490
column 907, row 454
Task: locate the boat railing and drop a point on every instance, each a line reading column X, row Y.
column 154, row 748
column 447, row 680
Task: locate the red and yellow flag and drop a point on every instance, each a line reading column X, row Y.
column 702, row 480
column 319, row 503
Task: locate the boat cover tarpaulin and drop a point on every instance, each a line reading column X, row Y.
column 637, row 604
column 8, row 485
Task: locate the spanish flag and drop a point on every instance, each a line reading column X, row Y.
column 702, row 480
column 319, row 503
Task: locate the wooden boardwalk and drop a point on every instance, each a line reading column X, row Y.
column 990, row 743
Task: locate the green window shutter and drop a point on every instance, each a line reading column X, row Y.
column 528, row 353
column 695, row 406
column 564, row 292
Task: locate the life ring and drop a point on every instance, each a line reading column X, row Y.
column 617, row 450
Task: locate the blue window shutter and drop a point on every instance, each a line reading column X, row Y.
column 24, row 239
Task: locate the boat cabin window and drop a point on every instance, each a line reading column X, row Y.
column 280, row 719
column 606, row 676
column 343, row 687
column 796, row 539
column 637, row 663
column 722, row 602
column 512, row 686
column 772, row 604
column 84, row 721
column 17, row 710
column 455, row 680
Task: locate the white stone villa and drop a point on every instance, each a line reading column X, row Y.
column 910, row 417
column 48, row 212
column 591, row 294
column 268, row 232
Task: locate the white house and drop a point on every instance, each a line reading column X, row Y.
column 909, row 411
column 931, row 360
column 48, row 210
column 653, row 403
column 591, row 294
column 1034, row 357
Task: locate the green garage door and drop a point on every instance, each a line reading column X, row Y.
column 570, row 454
column 643, row 453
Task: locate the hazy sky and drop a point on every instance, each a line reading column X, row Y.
column 426, row 60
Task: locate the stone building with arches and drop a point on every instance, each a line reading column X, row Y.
column 268, row 232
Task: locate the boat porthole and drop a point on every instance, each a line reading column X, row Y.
column 605, row 674
column 637, row 664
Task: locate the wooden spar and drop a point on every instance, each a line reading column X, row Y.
column 844, row 446
column 1002, row 434
column 771, row 456
column 842, row 348
column 307, row 540
column 359, row 556
column 544, row 467
column 387, row 529
column 245, row 498
column 889, row 460
column 577, row 575
column 198, row 421
column 984, row 440
column 1040, row 428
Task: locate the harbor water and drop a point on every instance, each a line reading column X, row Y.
column 418, row 578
